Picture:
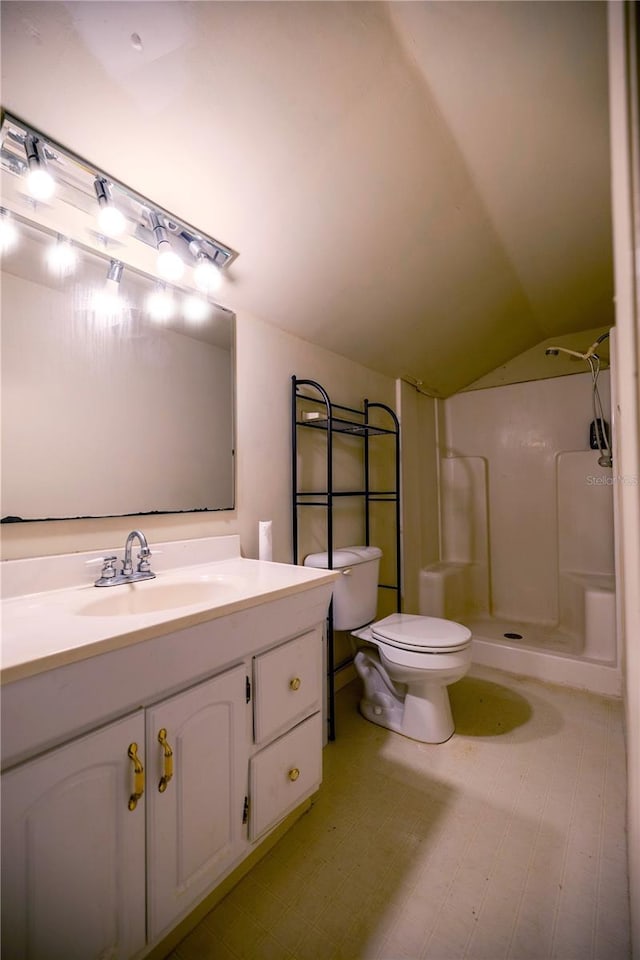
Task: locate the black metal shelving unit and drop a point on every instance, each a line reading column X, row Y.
column 335, row 418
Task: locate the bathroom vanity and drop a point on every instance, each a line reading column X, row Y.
column 153, row 735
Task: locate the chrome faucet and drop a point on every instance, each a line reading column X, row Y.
column 110, row 577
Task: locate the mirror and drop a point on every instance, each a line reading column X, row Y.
column 105, row 415
column 112, row 403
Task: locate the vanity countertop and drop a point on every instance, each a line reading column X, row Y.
column 55, row 627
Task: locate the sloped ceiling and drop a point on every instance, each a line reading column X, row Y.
column 422, row 187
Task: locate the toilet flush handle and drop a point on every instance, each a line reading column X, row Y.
column 346, row 572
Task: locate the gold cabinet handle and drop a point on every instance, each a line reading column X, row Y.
column 168, row 760
column 293, row 774
column 138, row 776
column 294, row 684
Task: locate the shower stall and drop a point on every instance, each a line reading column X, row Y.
column 526, row 553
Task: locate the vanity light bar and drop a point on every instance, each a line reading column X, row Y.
column 24, row 150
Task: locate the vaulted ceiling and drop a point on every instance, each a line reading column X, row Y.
column 422, row 186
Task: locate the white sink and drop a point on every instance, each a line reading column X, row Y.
column 149, row 596
column 53, row 616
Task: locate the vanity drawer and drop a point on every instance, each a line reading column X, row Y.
column 287, row 685
column 284, row 773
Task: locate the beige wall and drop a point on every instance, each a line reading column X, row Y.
column 266, row 359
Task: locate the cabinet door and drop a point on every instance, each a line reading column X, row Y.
column 73, row 853
column 195, row 820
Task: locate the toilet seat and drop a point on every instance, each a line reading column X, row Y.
column 425, row 635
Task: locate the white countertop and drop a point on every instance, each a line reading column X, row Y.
column 55, row 627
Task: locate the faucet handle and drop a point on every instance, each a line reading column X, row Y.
column 143, row 560
column 109, row 572
column 109, row 566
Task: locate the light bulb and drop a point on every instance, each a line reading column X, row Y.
column 111, row 221
column 169, row 265
column 207, row 275
column 40, row 184
column 196, row 309
column 107, row 305
column 8, row 234
column 160, row 306
column 62, row 259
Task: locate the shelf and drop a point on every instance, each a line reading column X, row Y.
column 350, row 493
column 338, row 425
column 353, row 422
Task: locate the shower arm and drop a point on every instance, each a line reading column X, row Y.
column 592, row 358
column 590, row 352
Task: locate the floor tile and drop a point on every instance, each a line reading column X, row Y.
column 506, row 841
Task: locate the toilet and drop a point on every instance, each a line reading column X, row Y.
column 405, row 662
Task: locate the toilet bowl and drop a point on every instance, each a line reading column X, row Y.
column 405, row 665
column 405, row 662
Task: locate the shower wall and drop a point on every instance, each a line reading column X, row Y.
column 419, row 498
column 517, row 503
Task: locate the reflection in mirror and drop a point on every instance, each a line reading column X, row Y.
column 117, row 394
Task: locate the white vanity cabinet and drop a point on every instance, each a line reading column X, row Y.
column 215, row 723
column 73, row 853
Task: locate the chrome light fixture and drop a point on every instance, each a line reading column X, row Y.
column 168, row 264
column 107, row 304
column 206, row 272
column 40, row 183
column 130, row 227
column 110, row 220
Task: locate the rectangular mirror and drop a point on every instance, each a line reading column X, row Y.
column 117, row 393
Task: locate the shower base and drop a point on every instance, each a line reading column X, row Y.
column 544, row 652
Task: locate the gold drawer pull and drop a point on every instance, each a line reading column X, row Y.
column 295, row 683
column 293, row 774
column 138, row 776
column 168, row 760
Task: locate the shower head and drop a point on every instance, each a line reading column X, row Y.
column 551, row 352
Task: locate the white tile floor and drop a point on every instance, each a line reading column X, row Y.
column 507, row 841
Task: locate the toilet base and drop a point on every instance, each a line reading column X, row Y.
column 423, row 713
column 427, row 714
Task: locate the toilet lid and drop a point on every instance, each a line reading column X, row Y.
column 422, row 634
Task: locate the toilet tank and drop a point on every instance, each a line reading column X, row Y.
column 355, row 594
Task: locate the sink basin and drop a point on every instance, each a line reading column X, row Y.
column 151, row 596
